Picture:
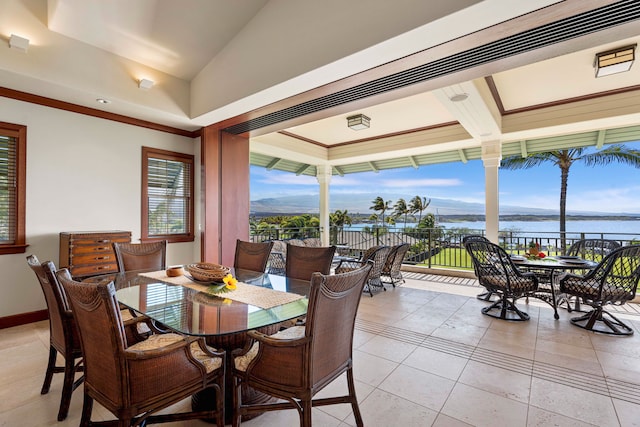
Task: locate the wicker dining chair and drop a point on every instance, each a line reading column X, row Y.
column 141, row 256
column 393, row 265
column 297, row 363
column 303, row 261
column 134, row 382
column 614, row 281
column 252, row 256
column 63, row 337
column 497, row 272
column 375, row 254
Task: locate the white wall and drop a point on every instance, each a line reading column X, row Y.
column 83, row 174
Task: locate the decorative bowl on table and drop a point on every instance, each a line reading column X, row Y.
column 175, row 271
column 207, row 272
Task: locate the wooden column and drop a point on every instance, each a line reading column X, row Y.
column 225, row 194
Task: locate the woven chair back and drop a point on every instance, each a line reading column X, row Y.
column 57, row 305
column 496, row 271
column 303, row 261
column 615, row 279
column 97, row 314
column 141, row 256
column 252, row 256
column 333, row 304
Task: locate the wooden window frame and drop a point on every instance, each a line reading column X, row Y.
column 155, row 153
column 19, row 132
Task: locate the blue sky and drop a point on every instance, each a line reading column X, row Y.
column 614, row 188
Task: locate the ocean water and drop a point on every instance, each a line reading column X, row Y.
column 613, row 229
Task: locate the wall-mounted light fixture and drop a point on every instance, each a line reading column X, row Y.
column 145, row 84
column 358, row 122
column 18, row 43
column 614, row 61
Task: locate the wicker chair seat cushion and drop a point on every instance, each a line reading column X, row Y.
column 162, row 340
column 500, row 282
column 242, row 362
column 591, row 290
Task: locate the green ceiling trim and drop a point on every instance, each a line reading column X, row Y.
column 597, row 138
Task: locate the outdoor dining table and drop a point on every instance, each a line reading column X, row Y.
column 260, row 302
column 550, row 268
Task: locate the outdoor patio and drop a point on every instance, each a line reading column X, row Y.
column 424, row 355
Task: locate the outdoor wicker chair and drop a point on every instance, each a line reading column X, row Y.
column 499, row 275
column 488, row 295
column 63, row 336
column 303, row 261
column 614, row 281
column 277, row 258
column 589, row 248
column 392, row 267
column 297, row 363
column 375, row 254
column 133, row 382
column 252, row 256
column 141, row 256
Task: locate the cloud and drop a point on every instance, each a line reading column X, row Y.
column 287, row 179
column 421, row 183
column 619, row 199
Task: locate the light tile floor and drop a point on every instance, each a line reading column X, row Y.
column 424, row 355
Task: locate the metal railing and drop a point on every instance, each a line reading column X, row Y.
column 442, row 248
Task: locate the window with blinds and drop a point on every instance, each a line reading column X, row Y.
column 13, row 142
column 167, row 195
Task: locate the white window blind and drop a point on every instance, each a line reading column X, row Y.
column 8, row 189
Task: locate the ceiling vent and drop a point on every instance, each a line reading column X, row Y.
column 575, row 26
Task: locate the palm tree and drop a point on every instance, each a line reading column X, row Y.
column 418, row 204
column 338, row 220
column 564, row 159
column 380, row 205
column 401, row 208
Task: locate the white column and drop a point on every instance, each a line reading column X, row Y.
column 323, row 174
column 491, row 157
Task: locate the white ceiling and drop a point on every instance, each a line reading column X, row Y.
column 176, row 37
column 214, row 59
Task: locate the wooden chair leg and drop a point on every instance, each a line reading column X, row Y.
column 354, row 402
column 87, row 407
column 51, row 366
column 237, row 401
column 67, row 388
column 306, row 413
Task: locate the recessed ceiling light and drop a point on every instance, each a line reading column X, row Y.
column 145, row 84
column 103, row 101
column 459, row 97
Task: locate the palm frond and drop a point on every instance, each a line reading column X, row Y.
column 532, row 160
column 613, row 154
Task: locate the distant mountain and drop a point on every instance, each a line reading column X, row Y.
column 360, row 203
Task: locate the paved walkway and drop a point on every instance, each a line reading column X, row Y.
column 629, row 308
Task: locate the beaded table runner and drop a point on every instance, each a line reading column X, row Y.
column 248, row 294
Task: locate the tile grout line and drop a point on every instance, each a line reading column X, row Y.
column 599, row 384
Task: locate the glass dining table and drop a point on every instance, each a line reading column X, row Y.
column 185, row 306
column 548, row 270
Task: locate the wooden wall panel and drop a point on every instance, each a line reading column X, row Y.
column 225, row 192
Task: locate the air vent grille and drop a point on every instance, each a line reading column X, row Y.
column 579, row 25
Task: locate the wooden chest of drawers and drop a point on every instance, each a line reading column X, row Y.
column 88, row 253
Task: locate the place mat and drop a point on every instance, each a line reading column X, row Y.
column 248, row 294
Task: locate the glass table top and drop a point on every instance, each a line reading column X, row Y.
column 193, row 312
